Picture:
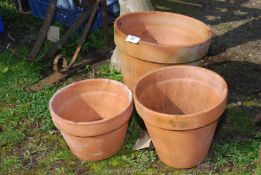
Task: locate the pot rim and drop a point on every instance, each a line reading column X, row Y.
column 130, row 100
column 209, row 31
column 180, row 116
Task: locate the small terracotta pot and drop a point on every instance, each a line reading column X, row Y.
column 166, row 39
column 92, row 116
column 180, row 106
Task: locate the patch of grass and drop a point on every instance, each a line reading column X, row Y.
column 226, row 27
column 236, row 153
column 106, row 71
column 10, row 165
column 133, row 133
column 7, row 5
column 131, row 163
column 258, row 169
column 237, row 122
column 252, row 103
column 21, row 74
column 241, row 156
column 11, row 137
column 56, row 159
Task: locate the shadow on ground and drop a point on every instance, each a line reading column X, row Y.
column 244, row 100
column 233, row 22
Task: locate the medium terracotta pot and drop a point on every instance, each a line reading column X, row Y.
column 92, row 116
column 180, row 106
column 166, row 39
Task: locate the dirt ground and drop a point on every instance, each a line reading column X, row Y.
column 236, row 24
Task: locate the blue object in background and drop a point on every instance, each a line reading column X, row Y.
column 112, row 8
column 1, row 25
column 68, row 15
column 65, row 4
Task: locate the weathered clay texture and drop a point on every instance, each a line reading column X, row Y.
column 180, row 106
column 132, row 69
column 166, row 39
column 92, row 116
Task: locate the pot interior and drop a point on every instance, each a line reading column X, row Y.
column 181, row 90
column 164, row 28
column 91, row 100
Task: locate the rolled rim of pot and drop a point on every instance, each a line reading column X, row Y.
column 97, row 127
column 165, row 37
column 180, row 121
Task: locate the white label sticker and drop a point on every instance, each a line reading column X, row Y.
column 132, row 39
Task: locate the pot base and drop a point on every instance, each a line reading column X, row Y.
column 97, row 147
column 182, row 149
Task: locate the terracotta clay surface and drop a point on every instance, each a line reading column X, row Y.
column 92, row 116
column 166, row 38
column 132, row 69
column 180, row 106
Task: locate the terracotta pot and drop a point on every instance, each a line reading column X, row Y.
column 166, row 39
column 180, row 106
column 92, row 116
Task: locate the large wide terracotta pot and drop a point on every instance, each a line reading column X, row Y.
column 92, row 116
column 166, row 39
column 180, row 106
